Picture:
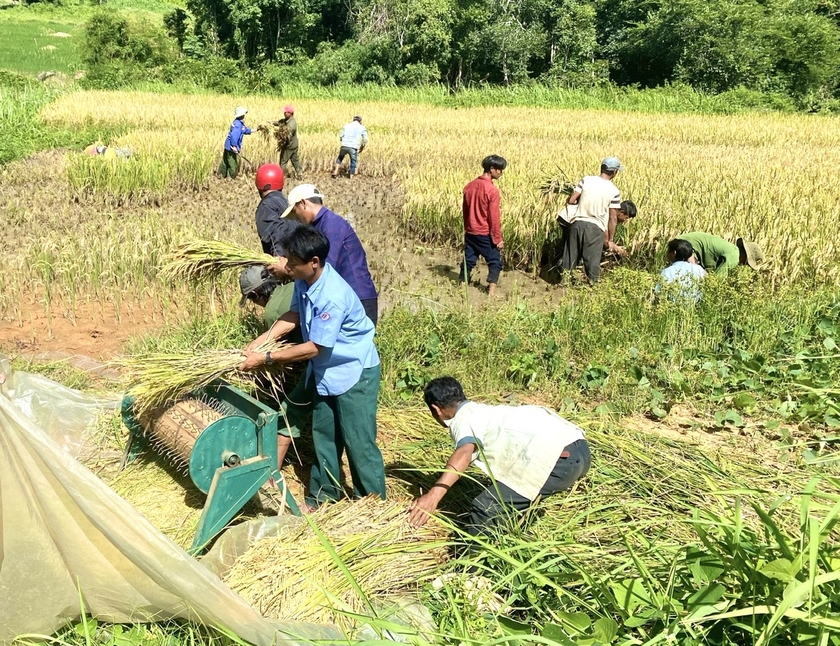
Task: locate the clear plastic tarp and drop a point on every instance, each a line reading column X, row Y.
column 68, row 541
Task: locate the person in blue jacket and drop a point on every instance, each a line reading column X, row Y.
column 233, row 144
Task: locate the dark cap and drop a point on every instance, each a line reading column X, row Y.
column 250, row 281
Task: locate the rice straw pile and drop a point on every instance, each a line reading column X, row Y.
column 203, row 259
column 294, row 576
column 159, row 379
column 280, row 131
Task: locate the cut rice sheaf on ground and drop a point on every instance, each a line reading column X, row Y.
column 295, row 576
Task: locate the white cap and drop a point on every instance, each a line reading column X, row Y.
column 240, row 112
column 298, row 194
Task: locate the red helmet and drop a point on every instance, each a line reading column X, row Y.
column 270, row 178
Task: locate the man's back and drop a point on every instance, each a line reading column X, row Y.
column 712, row 252
column 353, row 135
column 291, row 124
column 687, row 276
column 521, row 444
column 270, row 226
column 597, row 197
column 481, row 206
column 346, row 255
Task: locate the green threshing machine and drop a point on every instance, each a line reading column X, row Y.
column 226, row 441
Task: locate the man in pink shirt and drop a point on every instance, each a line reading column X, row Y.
column 482, row 222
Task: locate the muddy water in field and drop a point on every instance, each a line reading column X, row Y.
column 34, row 198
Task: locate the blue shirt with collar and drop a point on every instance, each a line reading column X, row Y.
column 332, row 317
column 346, row 255
column 238, row 130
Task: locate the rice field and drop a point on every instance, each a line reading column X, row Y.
column 769, row 178
column 738, row 500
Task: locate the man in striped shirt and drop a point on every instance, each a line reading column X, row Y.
column 593, row 225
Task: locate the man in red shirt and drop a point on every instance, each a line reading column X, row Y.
column 482, row 222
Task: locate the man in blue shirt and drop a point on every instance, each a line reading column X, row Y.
column 347, row 256
column 354, row 138
column 233, row 144
column 342, row 375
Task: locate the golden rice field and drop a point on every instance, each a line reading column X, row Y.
column 771, row 178
column 104, row 226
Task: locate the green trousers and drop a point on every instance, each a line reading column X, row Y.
column 347, row 423
column 290, row 154
column 295, row 409
column 230, row 164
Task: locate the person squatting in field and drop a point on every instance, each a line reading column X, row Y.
column 258, row 286
column 289, row 153
column 599, row 210
column 481, row 208
column 341, row 383
column 720, row 256
column 682, row 272
column 346, row 254
column 233, row 144
column 354, row 138
column 530, row 452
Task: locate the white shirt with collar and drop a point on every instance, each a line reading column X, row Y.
column 519, row 445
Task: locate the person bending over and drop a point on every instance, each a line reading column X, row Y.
column 530, row 452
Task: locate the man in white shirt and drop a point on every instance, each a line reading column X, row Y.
column 354, row 138
column 682, row 272
column 592, row 228
column 528, row 451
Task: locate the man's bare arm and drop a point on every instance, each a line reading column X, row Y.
column 426, row 504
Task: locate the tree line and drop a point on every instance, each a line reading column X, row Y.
column 789, row 47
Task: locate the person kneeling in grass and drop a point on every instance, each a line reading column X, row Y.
column 682, row 271
column 528, row 451
column 342, row 376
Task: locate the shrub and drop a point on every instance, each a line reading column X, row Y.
column 118, row 51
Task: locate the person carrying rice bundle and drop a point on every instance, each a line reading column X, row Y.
column 341, row 384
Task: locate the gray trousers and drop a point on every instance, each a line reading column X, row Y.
column 498, row 501
column 583, row 241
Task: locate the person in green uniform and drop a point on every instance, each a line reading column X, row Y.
column 342, row 373
column 290, row 150
column 719, row 256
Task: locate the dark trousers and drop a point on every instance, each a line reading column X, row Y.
column 583, row 241
column 290, row 155
column 493, row 505
column 354, row 157
column 371, row 306
column 230, row 164
column 347, row 422
column 475, row 246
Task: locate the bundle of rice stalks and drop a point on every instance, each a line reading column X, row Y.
column 555, row 184
column 298, row 576
column 203, row 259
column 281, row 133
column 159, row 379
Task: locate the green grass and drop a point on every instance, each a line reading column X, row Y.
column 25, row 32
column 27, row 47
column 22, row 133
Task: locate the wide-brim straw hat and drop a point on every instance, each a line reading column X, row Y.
column 754, row 254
